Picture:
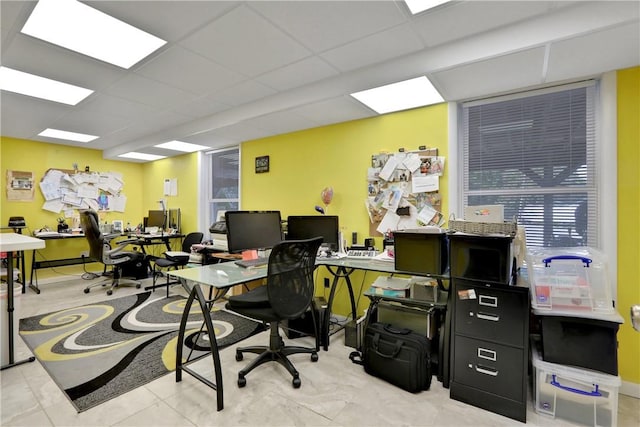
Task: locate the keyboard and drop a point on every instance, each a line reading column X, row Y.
column 360, row 254
column 248, row 263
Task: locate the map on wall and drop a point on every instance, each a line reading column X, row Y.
column 66, row 191
column 404, row 190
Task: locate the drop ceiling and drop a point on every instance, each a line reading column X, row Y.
column 240, row 70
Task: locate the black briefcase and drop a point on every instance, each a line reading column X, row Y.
column 397, row 355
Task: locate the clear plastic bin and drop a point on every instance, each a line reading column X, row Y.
column 579, row 395
column 569, row 280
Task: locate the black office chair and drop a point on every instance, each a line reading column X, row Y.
column 174, row 259
column 287, row 295
column 101, row 250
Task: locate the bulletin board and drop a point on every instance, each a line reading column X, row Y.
column 68, row 190
column 404, row 190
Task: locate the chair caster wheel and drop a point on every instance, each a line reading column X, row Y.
column 242, row 381
column 239, row 356
column 296, row 382
column 138, row 286
column 109, row 292
column 314, row 357
column 86, row 290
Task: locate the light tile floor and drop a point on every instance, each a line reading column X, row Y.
column 334, row 391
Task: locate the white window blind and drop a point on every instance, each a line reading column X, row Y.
column 223, row 182
column 534, row 153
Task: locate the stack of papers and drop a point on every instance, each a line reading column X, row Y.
column 391, row 286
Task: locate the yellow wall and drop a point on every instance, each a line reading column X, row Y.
column 305, row 162
column 183, row 168
column 628, row 216
column 143, row 187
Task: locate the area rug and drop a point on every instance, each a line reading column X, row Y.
column 98, row 351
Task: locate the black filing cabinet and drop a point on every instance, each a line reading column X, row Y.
column 489, row 356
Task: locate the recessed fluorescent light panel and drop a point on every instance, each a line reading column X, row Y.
column 41, row 87
column 399, row 96
column 417, row 6
column 141, row 156
column 63, row 134
column 182, row 146
column 78, row 27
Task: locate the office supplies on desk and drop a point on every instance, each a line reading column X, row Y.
column 252, row 263
column 361, row 254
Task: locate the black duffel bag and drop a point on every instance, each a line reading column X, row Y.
column 397, row 355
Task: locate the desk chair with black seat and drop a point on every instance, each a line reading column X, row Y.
column 174, row 260
column 287, row 295
column 102, row 250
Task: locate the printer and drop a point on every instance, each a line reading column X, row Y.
column 218, row 232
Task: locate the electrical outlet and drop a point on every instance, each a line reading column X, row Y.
column 84, row 254
column 326, row 282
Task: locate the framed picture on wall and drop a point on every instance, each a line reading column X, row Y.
column 262, row 164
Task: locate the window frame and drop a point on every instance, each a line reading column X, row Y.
column 206, row 186
column 605, row 116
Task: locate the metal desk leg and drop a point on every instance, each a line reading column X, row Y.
column 341, row 272
column 196, row 293
column 10, row 308
column 34, row 273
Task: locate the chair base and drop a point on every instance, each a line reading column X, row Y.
column 114, row 283
column 276, row 352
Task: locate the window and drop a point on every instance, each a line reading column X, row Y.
column 535, row 153
column 223, row 184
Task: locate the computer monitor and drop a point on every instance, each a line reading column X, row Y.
column 420, row 251
column 252, row 230
column 310, row 226
column 156, row 219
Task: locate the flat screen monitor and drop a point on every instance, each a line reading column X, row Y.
column 420, row 252
column 310, row 226
column 252, row 230
column 156, row 219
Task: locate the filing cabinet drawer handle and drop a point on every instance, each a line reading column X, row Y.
column 487, row 371
column 488, row 301
column 486, row 316
column 485, row 353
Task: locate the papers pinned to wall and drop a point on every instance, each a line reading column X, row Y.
column 65, row 191
column 404, row 190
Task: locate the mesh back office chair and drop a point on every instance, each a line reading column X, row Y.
column 287, row 295
column 174, row 259
column 101, row 250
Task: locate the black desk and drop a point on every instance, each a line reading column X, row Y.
column 144, row 240
column 58, row 262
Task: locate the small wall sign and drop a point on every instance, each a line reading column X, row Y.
column 262, row 164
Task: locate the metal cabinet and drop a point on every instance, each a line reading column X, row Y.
column 489, row 354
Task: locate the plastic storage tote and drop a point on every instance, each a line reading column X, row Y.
column 577, row 395
column 570, row 280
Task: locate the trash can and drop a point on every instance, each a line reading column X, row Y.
column 4, row 320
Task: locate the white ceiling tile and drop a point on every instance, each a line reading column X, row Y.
column 40, row 113
column 377, row 48
column 525, row 69
column 188, row 71
column 282, row 122
column 595, row 53
column 201, row 107
column 57, row 63
column 333, row 110
column 101, row 103
column 169, row 20
column 462, row 19
column 149, row 92
column 307, row 71
column 347, row 20
column 243, row 93
column 88, row 122
column 245, row 42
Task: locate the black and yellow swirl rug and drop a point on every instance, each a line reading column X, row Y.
column 98, row 351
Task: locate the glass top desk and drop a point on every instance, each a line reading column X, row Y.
column 219, row 278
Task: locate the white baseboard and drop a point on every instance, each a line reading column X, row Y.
column 630, row 389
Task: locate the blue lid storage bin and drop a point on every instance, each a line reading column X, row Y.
column 579, row 395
